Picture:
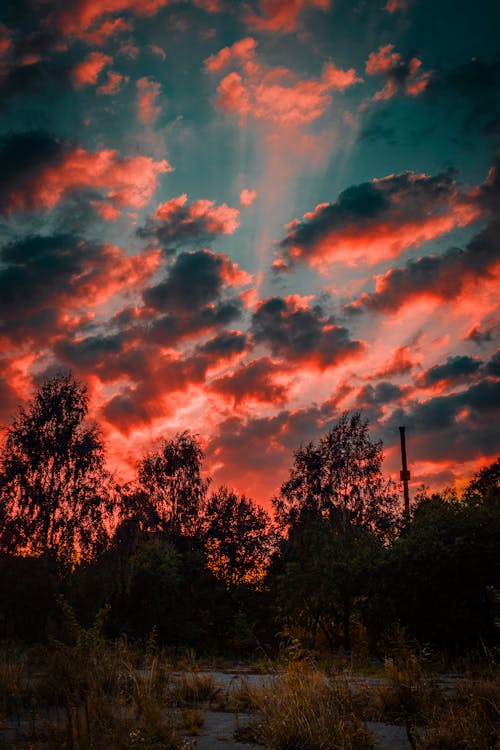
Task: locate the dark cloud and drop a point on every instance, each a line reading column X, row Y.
column 477, row 84
column 195, row 280
column 255, row 453
column 378, row 131
column 22, row 155
column 171, row 328
column 178, row 222
column 254, row 381
column 493, row 366
column 226, row 344
column 302, row 334
column 454, row 370
column 36, row 275
column 462, row 425
column 483, row 335
column 382, row 393
column 377, row 218
column 441, row 277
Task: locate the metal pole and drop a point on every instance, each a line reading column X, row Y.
column 405, row 474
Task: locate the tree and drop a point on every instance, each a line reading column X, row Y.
column 173, row 486
column 484, row 487
column 441, row 575
column 237, row 536
column 336, row 509
column 340, row 480
column 53, row 484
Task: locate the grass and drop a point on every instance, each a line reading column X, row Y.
column 193, row 688
column 305, row 710
column 469, row 720
column 85, row 693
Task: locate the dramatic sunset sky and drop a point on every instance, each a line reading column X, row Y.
column 243, row 218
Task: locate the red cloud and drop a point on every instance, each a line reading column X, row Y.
column 377, row 220
column 113, row 84
column 255, row 381
column 116, row 272
column 403, row 75
column 148, row 92
column 110, row 28
column 215, row 219
column 87, row 72
column 393, row 5
column 247, row 197
column 275, row 94
column 400, row 363
column 282, row 15
column 124, row 181
column 437, row 277
column 78, row 17
column 5, row 39
column 239, row 53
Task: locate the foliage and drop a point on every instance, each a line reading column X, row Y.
column 52, row 480
column 237, row 536
column 339, row 479
column 172, row 482
column 439, row 577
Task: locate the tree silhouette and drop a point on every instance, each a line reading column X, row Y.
column 237, row 536
column 172, row 483
column 339, row 479
column 336, row 508
column 53, row 485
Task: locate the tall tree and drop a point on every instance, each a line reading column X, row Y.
column 237, row 536
column 53, row 485
column 172, row 482
column 339, row 479
column 335, row 509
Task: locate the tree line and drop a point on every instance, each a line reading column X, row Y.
column 337, row 565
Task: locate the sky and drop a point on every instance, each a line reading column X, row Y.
column 244, row 218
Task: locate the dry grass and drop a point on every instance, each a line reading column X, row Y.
column 193, row 688
column 305, row 710
column 86, row 694
column 469, row 720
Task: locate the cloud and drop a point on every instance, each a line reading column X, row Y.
column 255, row 453
column 301, row 334
column 48, row 283
column 254, row 381
column 281, row 15
column 148, row 92
column 392, row 6
column 247, row 197
column 113, row 84
column 475, row 84
column 377, row 220
column 439, row 277
column 87, row 72
column 482, row 335
column 403, row 75
column 400, row 363
column 455, row 370
column 39, row 171
column 176, row 222
column 196, row 279
column 273, row 94
column 493, row 365
column 81, row 16
column 153, row 374
column 464, row 420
